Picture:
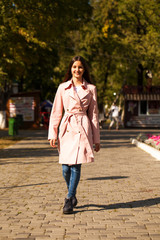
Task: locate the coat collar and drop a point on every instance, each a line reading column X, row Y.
column 82, row 92
column 69, row 84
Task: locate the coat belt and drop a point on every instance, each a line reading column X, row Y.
column 79, row 130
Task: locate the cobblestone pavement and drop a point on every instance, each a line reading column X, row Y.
column 119, row 194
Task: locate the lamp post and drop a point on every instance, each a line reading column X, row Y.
column 15, row 87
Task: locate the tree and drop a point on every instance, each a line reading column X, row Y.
column 31, row 33
column 120, row 36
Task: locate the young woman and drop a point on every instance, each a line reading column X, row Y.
column 79, row 128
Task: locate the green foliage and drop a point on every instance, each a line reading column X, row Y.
column 38, row 38
column 119, row 36
column 31, row 35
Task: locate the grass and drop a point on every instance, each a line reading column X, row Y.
column 8, row 140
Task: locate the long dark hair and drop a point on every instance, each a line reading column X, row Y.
column 86, row 74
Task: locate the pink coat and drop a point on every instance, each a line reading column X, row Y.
column 79, row 128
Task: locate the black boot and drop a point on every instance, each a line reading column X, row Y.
column 68, row 207
column 74, row 201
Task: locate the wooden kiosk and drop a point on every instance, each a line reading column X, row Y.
column 141, row 106
column 26, row 105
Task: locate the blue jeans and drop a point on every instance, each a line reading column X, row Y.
column 71, row 175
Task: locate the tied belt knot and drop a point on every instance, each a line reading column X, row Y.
column 78, row 130
column 67, row 116
column 79, row 112
column 66, row 121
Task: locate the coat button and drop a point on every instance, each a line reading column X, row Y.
column 80, row 110
column 67, row 109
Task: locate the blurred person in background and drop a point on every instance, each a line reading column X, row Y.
column 114, row 111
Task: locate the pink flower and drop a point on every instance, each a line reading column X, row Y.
column 155, row 138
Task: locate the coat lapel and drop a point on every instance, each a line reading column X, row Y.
column 81, row 93
column 69, row 88
column 73, row 94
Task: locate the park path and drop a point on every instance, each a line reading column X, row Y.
column 119, row 194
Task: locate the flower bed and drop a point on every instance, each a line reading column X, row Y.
column 152, row 140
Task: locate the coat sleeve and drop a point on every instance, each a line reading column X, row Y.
column 56, row 114
column 93, row 116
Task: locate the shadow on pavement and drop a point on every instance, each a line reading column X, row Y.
column 126, row 133
column 5, row 162
column 28, row 185
column 108, row 144
column 133, row 204
column 27, row 153
column 107, row 178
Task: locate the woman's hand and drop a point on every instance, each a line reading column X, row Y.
column 52, row 143
column 97, row 147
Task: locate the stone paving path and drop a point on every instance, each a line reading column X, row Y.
column 119, row 194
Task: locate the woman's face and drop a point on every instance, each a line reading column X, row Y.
column 77, row 70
